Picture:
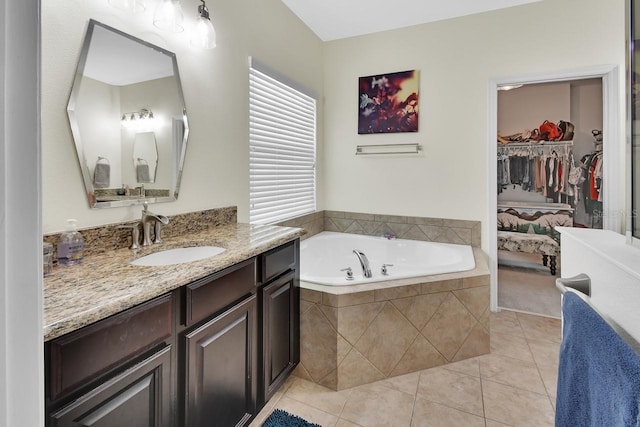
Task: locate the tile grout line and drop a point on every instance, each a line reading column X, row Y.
column 484, row 412
column 415, row 398
column 551, row 399
column 444, row 404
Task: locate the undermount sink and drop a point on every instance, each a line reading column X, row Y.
column 178, row 256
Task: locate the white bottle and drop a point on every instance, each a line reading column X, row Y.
column 70, row 245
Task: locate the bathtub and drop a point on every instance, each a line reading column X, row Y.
column 323, row 256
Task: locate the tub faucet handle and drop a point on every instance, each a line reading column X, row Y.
column 384, row 270
column 349, row 273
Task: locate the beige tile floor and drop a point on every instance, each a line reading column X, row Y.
column 514, row 385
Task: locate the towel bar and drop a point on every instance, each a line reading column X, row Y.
column 388, row 149
column 581, row 283
column 581, row 286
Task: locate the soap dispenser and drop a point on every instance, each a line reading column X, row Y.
column 70, row 245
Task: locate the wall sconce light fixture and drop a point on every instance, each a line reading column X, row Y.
column 168, row 16
column 203, row 35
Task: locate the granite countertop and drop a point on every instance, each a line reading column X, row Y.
column 106, row 284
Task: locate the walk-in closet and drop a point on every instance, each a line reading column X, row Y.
column 549, row 173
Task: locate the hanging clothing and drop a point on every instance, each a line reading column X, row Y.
column 535, row 168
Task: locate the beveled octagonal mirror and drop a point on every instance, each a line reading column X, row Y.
column 128, row 119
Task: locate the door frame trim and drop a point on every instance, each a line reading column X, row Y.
column 614, row 164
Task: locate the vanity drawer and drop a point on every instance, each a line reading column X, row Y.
column 82, row 356
column 218, row 291
column 277, row 261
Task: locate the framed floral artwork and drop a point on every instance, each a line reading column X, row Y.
column 388, row 103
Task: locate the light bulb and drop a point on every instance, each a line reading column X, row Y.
column 204, row 35
column 168, row 16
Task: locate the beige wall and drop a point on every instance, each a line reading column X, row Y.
column 527, row 107
column 586, row 114
column 215, row 85
column 456, row 59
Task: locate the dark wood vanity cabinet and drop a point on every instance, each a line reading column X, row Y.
column 221, row 369
column 115, row 372
column 280, row 311
column 139, row 396
column 220, row 349
column 210, row 353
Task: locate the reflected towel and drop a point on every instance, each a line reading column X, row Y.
column 599, row 373
column 101, row 175
column 142, row 170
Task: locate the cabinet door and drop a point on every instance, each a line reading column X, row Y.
column 138, row 397
column 221, row 362
column 281, row 332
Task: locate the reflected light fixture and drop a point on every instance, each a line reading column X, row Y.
column 138, row 120
column 134, row 6
column 168, row 16
column 203, row 35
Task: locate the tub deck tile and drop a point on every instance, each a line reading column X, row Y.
column 396, row 292
column 344, row 300
column 441, row 286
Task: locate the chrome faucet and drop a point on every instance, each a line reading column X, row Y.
column 148, row 218
column 364, row 263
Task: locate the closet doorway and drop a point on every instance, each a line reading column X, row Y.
column 531, row 180
column 549, row 173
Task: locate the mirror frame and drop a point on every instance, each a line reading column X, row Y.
column 633, row 119
column 75, row 130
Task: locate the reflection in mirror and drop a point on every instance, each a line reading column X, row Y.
column 127, row 104
column 145, row 157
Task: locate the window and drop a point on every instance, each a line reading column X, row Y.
column 282, row 149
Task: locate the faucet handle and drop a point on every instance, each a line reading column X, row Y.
column 135, row 235
column 384, row 270
column 349, row 273
column 158, row 229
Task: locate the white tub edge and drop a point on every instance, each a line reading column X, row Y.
column 481, row 269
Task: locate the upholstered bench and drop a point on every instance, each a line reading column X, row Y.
column 531, row 244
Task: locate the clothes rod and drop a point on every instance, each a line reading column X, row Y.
column 537, row 144
column 388, row 149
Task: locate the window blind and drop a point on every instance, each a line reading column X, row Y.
column 282, row 150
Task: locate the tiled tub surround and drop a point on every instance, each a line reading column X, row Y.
column 313, row 223
column 354, row 335
column 404, row 227
column 105, row 283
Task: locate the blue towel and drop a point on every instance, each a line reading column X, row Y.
column 599, row 373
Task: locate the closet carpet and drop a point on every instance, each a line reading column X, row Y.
column 524, row 284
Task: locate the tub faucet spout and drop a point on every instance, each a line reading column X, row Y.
column 364, row 263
